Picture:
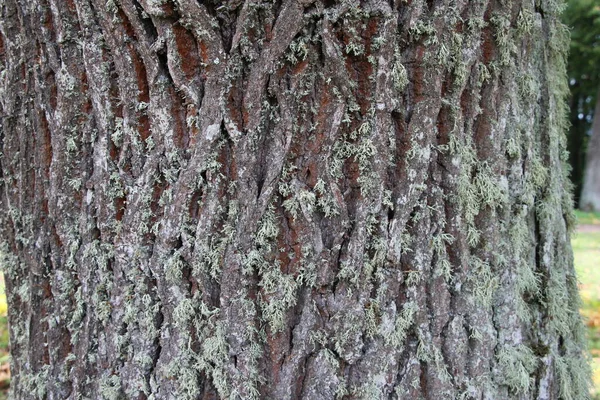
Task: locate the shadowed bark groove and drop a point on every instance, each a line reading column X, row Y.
column 296, row 199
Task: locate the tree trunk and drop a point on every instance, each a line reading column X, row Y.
column 576, row 140
column 590, row 194
column 291, row 199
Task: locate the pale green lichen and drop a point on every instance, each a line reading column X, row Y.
column 439, row 243
column 109, row 387
column 268, row 228
column 349, row 272
column 184, row 312
column 485, row 282
column 421, row 28
column 9, row 262
column 399, row 74
column 279, row 295
column 504, row 40
column 404, row 321
column 371, row 318
column 300, row 199
column 174, row 266
column 214, row 358
column 513, row 149
column 517, row 365
column 326, row 203
column 78, row 313
column 525, row 22
column 573, row 376
column 35, row 383
column 298, row 49
column 367, row 391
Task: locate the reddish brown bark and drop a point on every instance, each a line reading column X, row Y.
column 296, row 199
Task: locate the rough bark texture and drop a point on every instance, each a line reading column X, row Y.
column 290, row 199
column 590, row 194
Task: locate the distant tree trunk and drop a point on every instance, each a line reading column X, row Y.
column 290, row 199
column 576, row 139
column 590, row 194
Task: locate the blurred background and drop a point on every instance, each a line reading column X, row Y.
column 583, row 17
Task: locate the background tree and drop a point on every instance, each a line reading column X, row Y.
column 583, row 16
column 590, row 194
column 287, row 199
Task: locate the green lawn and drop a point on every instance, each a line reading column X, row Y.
column 588, row 218
column 586, row 250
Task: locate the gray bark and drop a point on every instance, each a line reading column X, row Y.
column 297, row 199
column 590, row 193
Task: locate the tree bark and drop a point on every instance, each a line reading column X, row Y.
column 590, row 194
column 296, row 199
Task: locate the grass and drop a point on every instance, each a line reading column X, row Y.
column 586, row 250
column 588, row 218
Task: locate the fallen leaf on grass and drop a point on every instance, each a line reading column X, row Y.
column 4, row 375
column 592, row 318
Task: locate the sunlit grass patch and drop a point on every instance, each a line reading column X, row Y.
column 596, row 377
column 3, row 302
column 588, row 218
column 586, row 252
